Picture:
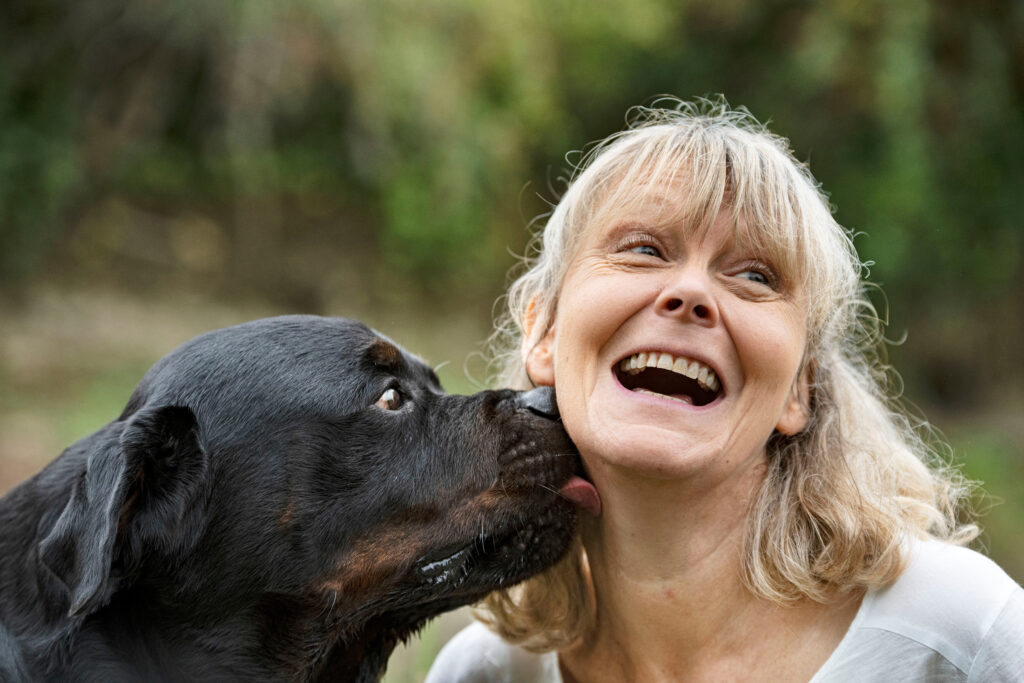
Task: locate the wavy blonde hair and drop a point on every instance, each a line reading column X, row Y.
column 842, row 497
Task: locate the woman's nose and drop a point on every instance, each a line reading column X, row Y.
column 687, row 297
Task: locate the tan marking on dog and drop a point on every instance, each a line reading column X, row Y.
column 367, row 569
column 287, row 515
column 374, row 562
column 385, row 354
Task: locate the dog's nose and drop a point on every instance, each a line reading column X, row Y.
column 540, row 401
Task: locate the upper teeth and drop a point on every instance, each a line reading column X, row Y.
column 693, row 369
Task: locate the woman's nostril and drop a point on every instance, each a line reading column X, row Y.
column 701, row 311
column 673, row 304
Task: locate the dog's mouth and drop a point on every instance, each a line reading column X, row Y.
column 449, row 564
column 499, row 558
column 583, row 494
column 522, row 522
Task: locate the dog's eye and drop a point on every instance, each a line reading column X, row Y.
column 389, row 400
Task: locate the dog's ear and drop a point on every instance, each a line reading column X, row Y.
column 143, row 493
column 168, row 508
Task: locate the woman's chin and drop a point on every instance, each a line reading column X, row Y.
column 656, row 464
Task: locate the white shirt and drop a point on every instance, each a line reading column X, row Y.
column 952, row 615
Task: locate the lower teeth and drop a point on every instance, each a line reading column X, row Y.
column 682, row 399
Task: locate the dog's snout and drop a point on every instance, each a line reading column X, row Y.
column 539, row 401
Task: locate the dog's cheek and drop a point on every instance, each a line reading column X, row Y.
column 455, row 446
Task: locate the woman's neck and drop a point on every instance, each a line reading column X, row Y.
column 665, row 559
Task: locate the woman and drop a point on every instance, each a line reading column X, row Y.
column 764, row 513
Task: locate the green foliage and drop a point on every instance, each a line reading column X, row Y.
column 38, row 160
column 994, row 460
column 395, row 138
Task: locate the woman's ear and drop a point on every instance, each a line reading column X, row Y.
column 797, row 411
column 540, row 360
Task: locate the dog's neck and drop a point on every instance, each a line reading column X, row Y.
column 354, row 643
column 361, row 659
column 306, row 645
column 297, row 651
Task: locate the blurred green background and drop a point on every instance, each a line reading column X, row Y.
column 171, row 166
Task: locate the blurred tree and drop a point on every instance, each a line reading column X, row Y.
column 318, row 149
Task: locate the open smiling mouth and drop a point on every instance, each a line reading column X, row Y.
column 667, row 376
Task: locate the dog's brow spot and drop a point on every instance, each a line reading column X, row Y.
column 385, row 354
column 288, row 514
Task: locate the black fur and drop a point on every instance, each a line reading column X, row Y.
column 254, row 515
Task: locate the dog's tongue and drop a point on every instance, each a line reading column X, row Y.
column 583, row 493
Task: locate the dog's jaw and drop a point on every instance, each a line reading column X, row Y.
column 341, row 645
column 361, row 659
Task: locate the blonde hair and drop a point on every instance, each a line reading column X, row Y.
column 843, row 496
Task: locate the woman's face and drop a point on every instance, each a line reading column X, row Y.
column 639, row 289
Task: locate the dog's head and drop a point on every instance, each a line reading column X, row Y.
column 303, row 479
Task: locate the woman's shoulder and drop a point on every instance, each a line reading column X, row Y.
column 952, row 609
column 952, row 615
column 477, row 655
column 946, row 583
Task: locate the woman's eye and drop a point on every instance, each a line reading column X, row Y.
column 389, row 400
column 641, row 242
column 755, row 276
column 646, row 250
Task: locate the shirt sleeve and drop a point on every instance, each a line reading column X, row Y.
column 476, row 655
column 1001, row 656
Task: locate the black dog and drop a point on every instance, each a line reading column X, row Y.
column 282, row 500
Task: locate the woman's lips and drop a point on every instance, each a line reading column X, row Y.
column 703, row 374
column 663, row 375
